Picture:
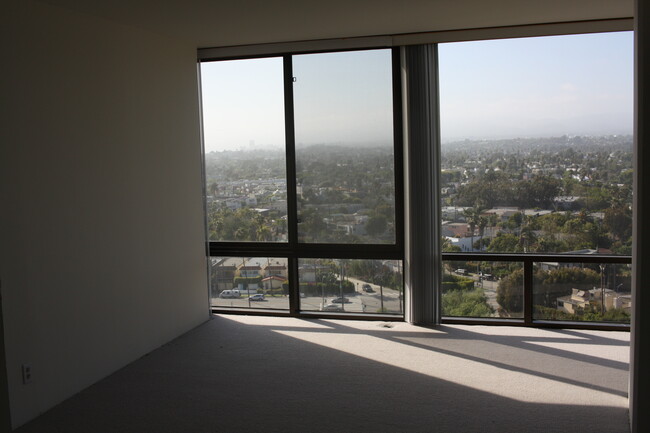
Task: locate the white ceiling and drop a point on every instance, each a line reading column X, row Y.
column 206, row 23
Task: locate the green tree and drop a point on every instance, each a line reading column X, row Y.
column 462, row 303
column 510, row 292
column 618, row 221
column 376, row 225
column 505, row 243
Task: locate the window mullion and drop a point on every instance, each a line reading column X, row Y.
column 292, row 200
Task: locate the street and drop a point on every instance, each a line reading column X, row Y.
column 359, row 301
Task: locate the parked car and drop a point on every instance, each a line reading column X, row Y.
column 340, row 301
column 331, row 307
column 257, row 297
column 230, row 294
column 368, row 288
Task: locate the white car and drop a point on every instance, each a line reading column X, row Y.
column 230, row 294
column 331, row 307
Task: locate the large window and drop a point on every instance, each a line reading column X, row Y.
column 302, row 168
column 304, row 182
column 537, row 159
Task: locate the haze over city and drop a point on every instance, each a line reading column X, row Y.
column 530, row 87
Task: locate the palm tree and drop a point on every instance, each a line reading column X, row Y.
column 472, row 216
column 527, row 236
column 263, row 233
column 214, row 188
column 482, row 223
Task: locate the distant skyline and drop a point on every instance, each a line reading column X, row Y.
column 497, row 89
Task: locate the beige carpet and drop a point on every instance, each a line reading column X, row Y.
column 260, row 374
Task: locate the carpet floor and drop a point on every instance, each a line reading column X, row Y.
column 264, row 374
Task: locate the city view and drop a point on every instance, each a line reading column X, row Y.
column 550, row 195
column 567, row 195
column 536, row 160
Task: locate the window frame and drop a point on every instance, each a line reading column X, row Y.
column 402, row 249
column 293, row 250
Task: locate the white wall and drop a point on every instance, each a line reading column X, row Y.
column 101, row 239
column 226, row 23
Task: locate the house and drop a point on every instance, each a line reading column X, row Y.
column 580, row 300
column 223, row 272
column 100, row 166
column 273, row 282
column 275, row 268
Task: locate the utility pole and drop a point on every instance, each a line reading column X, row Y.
column 602, row 289
column 341, row 288
column 243, row 265
column 322, row 285
column 268, row 272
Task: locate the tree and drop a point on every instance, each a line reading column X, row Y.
column 510, row 292
column 214, row 188
column 527, row 238
column 376, row 225
column 448, row 247
column 312, row 225
column 461, row 303
column 618, row 221
column 538, row 192
column 263, row 233
column 473, row 218
column 505, row 243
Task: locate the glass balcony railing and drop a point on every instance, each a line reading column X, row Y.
column 533, row 288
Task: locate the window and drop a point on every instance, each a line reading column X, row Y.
column 302, row 169
column 537, row 160
column 245, row 167
column 343, row 104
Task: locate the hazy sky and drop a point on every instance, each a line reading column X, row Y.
column 343, row 97
column 243, row 104
column 550, row 86
column 574, row 85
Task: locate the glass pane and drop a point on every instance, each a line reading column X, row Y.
column 351, row 286
column 537, row 144
column 483, row 289
column 576, row 291
column 344, row 147
column 249, row 282
column 245, row 164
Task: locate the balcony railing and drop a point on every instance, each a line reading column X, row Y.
column 550, row 290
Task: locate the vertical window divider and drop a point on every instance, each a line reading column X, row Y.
column 292, row 199
column 398, row 153
column 528, row 291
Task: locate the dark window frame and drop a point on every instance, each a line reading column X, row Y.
column 293, row 250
